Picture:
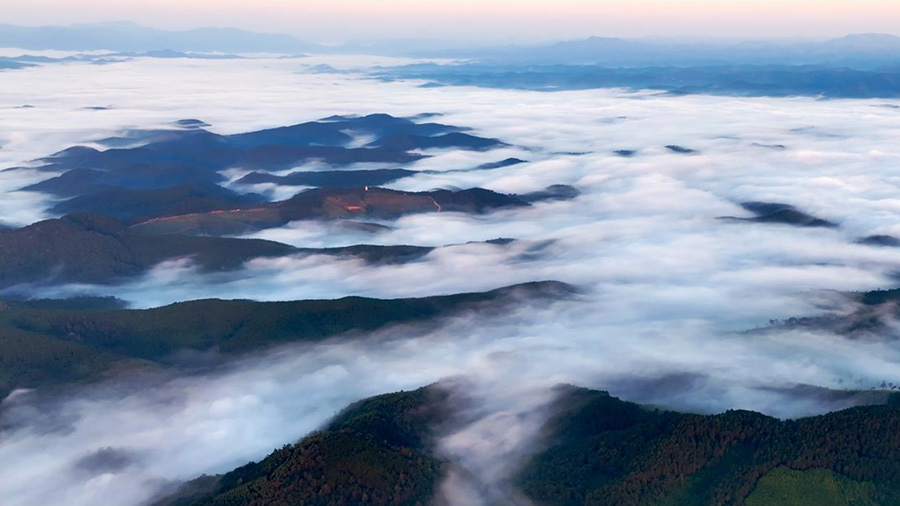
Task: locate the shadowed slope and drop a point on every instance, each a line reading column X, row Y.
column 92, row 341
column 599, row 450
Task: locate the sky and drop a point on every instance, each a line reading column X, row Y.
column 500, row 21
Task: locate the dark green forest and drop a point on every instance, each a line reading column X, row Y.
column 378, row 451
column 599, row 450
column 46, row 345
column 606, row 451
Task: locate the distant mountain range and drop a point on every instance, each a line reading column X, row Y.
column 751, row 80
column 854, row 66
column 156, row 158
column 30, row 60
column 123, row 36
column 862, row 51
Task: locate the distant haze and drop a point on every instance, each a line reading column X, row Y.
column 501, row 21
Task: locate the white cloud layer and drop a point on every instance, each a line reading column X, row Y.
column 668, row 287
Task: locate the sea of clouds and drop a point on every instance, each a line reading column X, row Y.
column 668, row 290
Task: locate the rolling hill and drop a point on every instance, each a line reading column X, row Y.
column 598, row 450
column 91, row 248
column 331, row 204
column 189, row 153
column 45, row 346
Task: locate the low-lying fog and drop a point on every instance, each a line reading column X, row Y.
column 667, row 288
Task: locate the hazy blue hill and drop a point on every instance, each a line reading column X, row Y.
column 863, row 43
column 154, row 159
column 122, row 36
column 173, row 174
column 330, row 178
column 71, row 183
column 408, row 142
column 15, row 64
column 872, row 315
column 129, row 204
column 880, row 240
column 268, row 157
column 28, row 60
column 140, row 176
column 303, row 134
column 858, row 51
column 785, row 214
column 552, row 192
column 722, row 79
column 380, row 124
column 506, row 162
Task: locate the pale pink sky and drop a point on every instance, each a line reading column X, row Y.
column 497, row 20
